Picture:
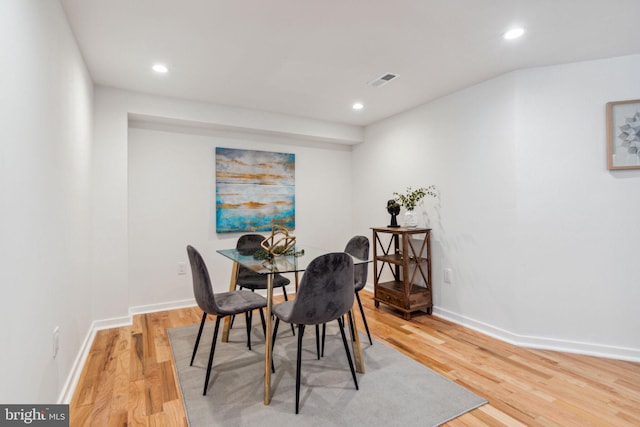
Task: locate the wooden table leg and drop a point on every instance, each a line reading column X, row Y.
column 232, row 287
column 356, row 349
column 267, row 342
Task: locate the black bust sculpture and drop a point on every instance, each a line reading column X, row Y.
column 394, row 209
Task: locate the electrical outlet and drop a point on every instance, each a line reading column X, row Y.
column 56, row 341
column 447, row 275
column 182, row 268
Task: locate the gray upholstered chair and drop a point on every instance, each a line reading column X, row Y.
column 221, row 304
column 358, row 246
column 325, row 294
column 248, row 244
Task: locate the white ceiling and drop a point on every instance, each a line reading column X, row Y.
column 314, row 58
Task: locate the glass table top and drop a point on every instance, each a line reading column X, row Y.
column 283, row 263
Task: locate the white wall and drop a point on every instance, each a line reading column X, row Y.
column 172, row 204
column 538, row 233
column 45, row 154
column 578, row 222
column 124, row 279
column 454, row 143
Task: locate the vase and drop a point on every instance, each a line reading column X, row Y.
column 410, row 219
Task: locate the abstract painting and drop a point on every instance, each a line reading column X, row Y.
column 254, row 190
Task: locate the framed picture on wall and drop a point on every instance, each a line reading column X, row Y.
column 255, row 190
column 623, row 134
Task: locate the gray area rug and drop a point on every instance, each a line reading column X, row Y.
column 394, row 391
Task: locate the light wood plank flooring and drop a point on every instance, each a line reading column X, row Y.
column 129, row 380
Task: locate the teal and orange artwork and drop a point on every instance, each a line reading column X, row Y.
column 254, row 190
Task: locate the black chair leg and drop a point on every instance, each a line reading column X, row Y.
column 364, row 319
column 213, row 349
column 352, row 324
column 318, row 341
column 273, row 342
column 264, row 324
column 299, row 365
column 195, row 347
column 346, row 349
column 324, row 333
column 286, row 298
column 248, row 318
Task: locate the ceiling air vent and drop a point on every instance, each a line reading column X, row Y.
column 383, row 80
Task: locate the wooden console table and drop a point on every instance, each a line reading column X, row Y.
column 407, row 253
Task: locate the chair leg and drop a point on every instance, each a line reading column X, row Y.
column 299, row 365
column 264, row 324
column 324, row 333
column 248, row 315
column 318, row 341
column 352, row 324
column 273, row 343
column 233, row 316
column 213, row 349
column 364, row 319
column 286, row 298
column 346, row 349
column 195, row 347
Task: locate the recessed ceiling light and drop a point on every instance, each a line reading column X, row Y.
column 514, row 33
column 160, row 68
column 357, row 106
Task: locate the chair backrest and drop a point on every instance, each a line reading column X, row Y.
column 248, row 244
column 326, row 290
column 358, row 246
column 202, row 289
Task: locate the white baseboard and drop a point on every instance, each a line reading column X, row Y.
column 97, row 325
column 152, row 308
column 76, row 369
column 542, row 343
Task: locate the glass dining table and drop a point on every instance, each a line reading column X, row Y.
column 282, row 264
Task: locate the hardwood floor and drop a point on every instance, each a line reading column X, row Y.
column 129, row 380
